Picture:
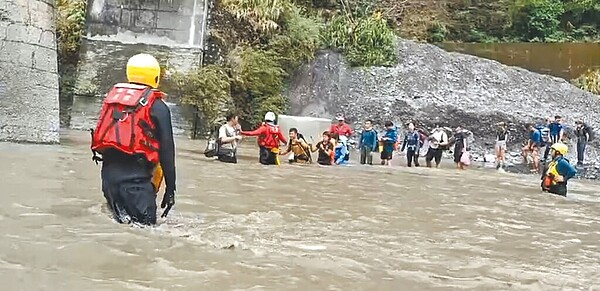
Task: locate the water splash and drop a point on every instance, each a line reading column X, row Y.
column 193, row 25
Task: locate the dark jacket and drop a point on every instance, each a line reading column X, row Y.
column 412, row 141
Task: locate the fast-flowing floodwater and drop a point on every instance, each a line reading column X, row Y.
column 565, row 60
column 251, row 227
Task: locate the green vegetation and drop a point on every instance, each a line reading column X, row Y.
column 496, row 20
column 264, row 41
column 208, row 89
column 589, row 81
column 70, row 27
column 366, row 41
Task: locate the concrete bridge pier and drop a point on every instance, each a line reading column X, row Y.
column 29, row 109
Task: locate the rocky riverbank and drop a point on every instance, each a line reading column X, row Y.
column 433, row 86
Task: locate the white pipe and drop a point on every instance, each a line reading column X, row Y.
column 203, row 32
column 193, row 25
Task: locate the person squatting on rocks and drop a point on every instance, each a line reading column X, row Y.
column 500, row 146
column 135, row 137
column 388, row 141
column 584, row 134
column 342, row 129
column 269, row 138
column 558, row 171
column 297, row 147
column 438, row 140
column 533, row 147
column 229, row 135
column 326, row 150
column 367, row 143
column 412, row 144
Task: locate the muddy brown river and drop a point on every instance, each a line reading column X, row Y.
column 251, row 227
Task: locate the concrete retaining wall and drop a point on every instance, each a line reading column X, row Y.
column 28, row 72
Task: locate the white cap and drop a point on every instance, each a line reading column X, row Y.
column 270, row 116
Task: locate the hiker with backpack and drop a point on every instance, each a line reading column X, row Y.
column 544, row 130
column 584, row 134
column 134, row 136
column 438, row 142
column 532, row 147
column 227, row 141
column 297, row 148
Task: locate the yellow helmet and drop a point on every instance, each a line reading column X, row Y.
column 143, row 69
column 561, row 148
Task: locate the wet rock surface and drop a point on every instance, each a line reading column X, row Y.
column 432, row 86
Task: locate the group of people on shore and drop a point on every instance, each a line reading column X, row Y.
column 134, row 140
column 543, row 136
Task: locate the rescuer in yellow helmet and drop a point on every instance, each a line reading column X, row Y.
column 558, row 171
column 135, row 139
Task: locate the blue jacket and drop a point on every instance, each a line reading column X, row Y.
column 536, row 137
column 341, row 150
column 412, row 140
column 555, row 129
column 565, row 169
column 392, row 134
column 368, row 139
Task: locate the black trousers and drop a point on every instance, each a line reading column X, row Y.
column 267, row 157
column 581, row 151
column 411, row 155
column 434, row 154
column 347, row 157
column 131, row 201
column 227, row 156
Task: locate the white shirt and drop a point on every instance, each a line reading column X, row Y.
column 227, row 130
column 440, row 136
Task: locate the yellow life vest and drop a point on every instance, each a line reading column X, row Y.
column 551, row 173
column 276, row 152
column 157, row 177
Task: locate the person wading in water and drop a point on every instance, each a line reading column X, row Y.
column 558, row 171
column 342, row 129
column 269, row 138
column 412, row 142
column 297, row 148
column 134, row 135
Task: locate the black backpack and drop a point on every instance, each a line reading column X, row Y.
column 590, row 131
column 444, row 147
column 212, row 146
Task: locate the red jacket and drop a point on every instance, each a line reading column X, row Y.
column 341, row 130
column 269, row 135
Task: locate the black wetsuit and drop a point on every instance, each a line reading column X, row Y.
column 126, row 179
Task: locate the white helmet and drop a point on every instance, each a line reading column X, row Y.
column 270, row 116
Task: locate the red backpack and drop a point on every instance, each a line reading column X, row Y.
column 125, row 123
